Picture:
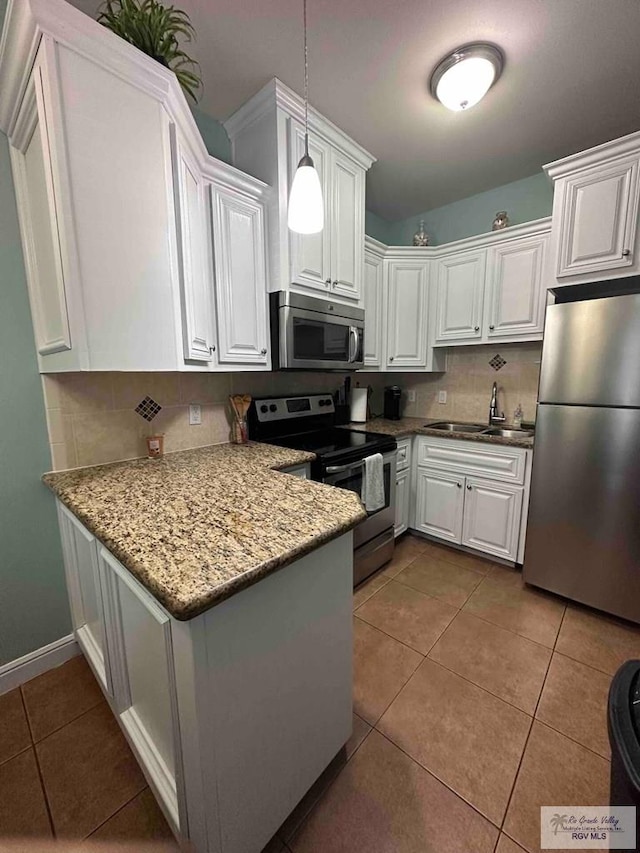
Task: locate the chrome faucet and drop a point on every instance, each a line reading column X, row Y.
column 494, row 417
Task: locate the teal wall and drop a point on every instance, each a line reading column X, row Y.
column 524, row 200
column 33, row 598
column 377, row 227
column 214, row 135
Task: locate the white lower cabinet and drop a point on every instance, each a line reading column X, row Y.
column 440, row 503
column 217, row 708
column 144, row 682
column 403, row 489
column 473, row 494
column 492, row 517
column 85, row 585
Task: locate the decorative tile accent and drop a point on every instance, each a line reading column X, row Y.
column 148, row 408
column 497, row 362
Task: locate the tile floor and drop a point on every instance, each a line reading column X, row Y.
column 465, row 687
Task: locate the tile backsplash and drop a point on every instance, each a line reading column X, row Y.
column 468, row 382
column 92, row 417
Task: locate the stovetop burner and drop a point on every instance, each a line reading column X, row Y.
column 327, row 442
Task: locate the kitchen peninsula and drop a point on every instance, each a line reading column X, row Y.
column 233, row 710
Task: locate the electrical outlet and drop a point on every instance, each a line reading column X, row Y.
column 195, row 414
column 442, row 397
column 411, row 396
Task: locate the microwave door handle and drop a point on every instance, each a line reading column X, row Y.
column 353, row 343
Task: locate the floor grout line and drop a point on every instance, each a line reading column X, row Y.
column 117, row 811
column 38, row 768
column 68, row 722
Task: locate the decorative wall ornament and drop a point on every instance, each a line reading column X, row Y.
column 501, row 221
column 497, row 362
column 421, row 238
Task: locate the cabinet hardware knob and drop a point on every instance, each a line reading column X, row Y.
column 491, row 328
column 468, row 487
column 335, row 282
column 212, row 349
column 459, row 485
column 476, row 328
column 626, row 253
column 327, row 281
column 263, row 352
column 390, row 358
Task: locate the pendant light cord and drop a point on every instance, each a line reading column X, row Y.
column 306, row 81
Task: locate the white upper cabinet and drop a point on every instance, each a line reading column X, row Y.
column 240, row 278
column 311, row 253
column 460, row 293
column 347, row 226
column 195, row 277
column 267, row 136
column 515, row 295
column 113, row 217
column 373, row 306
column 407, row 301
column 595, row 213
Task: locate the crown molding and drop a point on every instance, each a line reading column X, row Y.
column 621, row 147
column 275, row 95
column 534, row 228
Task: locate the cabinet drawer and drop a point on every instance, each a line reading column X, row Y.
column 404, row 454
column 496, row 463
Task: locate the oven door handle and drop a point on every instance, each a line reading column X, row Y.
column 338, row 469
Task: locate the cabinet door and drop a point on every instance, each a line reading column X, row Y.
column 196, row 277
column 403, row 481
column 439, row 505
column 373, row 322
column 311, row 253
column 144, row 679
column 516, row 291
column 459, row 298
column 85, row 587
column 347, row 226
column 240, row 278
column 38, row 194
column 407, row 314
column 492, row 517
column 598, row 219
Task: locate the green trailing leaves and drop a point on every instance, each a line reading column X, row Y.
column 155, row 30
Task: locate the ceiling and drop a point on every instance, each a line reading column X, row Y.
column 570, row 82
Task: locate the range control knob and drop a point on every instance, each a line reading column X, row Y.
column 264, row 408
column 322, row 402
column 327, row 402
column 273, row 408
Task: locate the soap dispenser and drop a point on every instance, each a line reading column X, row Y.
column 517, row 416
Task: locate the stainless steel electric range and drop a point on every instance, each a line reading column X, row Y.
column 308, row 423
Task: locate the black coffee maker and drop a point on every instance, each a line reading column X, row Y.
column 392, row 398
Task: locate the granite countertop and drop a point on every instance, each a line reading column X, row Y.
column 200, row 525
column 420, row 426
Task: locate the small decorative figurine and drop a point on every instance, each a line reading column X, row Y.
column 421, row 238
column 501, row 221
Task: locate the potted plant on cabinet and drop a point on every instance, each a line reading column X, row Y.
column 155, row 29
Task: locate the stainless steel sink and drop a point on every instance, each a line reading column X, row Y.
column 504, row 432
column 454, row 427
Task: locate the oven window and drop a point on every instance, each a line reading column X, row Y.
column 352, row 480
column 318, row 340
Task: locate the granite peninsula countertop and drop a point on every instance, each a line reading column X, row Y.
column 406, row 427
column 200, row 525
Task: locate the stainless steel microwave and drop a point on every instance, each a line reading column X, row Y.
column 310, row 333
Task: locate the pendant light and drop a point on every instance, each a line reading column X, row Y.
column 306, row 207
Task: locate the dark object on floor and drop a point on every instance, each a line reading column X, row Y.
column 624, row 737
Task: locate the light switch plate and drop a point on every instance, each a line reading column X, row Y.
column 195, row 414
column 411, row 396
column 442, row 396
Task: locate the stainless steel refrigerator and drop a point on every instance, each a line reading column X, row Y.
column 583, row 534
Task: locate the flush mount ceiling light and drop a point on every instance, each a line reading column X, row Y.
column 306, row 207
column 464, row 77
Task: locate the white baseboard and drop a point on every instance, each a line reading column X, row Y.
column 23, row 669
